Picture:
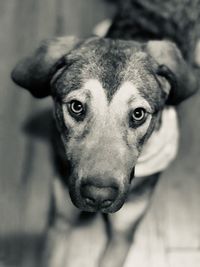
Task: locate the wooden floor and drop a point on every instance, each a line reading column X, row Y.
column 170, row 234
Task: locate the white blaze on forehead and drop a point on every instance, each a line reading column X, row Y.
column 99, row 102
column 128, row 94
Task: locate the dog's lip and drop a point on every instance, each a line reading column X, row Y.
column 102, row 210
column 116, row 206
column 82, row 205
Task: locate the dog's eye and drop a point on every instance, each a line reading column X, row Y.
column 76, row 109
column 138, row 114
column 137, row 117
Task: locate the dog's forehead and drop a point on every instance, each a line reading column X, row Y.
column 111, row 62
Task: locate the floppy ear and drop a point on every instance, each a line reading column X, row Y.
column 171, row 65
column 35, row 71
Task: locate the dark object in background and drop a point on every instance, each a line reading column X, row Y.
column 173, row 19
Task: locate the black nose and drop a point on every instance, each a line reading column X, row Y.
column 99, row 197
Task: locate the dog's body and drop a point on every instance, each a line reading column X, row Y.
column 110, row 100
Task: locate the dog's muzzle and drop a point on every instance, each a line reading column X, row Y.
column 98, row 194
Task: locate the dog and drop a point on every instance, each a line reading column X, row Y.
column 116, row 126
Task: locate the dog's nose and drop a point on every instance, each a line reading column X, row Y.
column 99, row 197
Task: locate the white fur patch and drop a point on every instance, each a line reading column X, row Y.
column 161, row 148
column 99, row 102
column 129, row 94
column 102, row 28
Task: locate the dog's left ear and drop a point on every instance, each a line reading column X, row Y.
column 171, row 66
column 35, row 71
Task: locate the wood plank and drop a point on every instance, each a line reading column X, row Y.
column 13, row 107
column 148, row 249
column 186, row 258
column 181, row 219
column 25, row 167
column 41, row 170
column 87, row 243
column 181, row 184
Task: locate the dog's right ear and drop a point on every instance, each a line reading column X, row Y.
column 35, row 71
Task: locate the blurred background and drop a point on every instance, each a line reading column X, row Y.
column 170, row 234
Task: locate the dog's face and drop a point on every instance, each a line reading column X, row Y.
column 108, row 99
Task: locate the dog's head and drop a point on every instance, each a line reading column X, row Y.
column 108, row 97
